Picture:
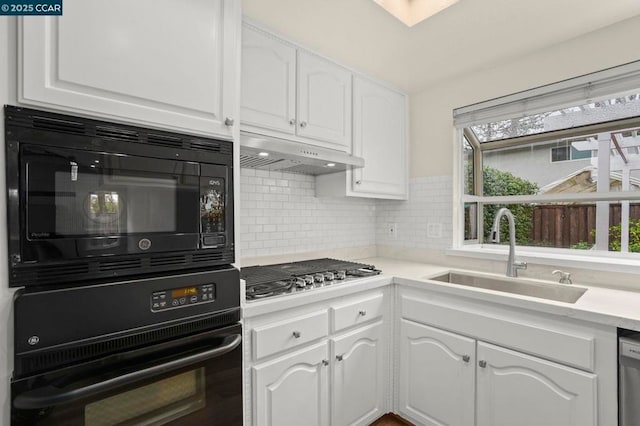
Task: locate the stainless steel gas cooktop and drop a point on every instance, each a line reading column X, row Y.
column 290, row 278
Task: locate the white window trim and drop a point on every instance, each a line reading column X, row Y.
column 570, row 258
column 611, row 81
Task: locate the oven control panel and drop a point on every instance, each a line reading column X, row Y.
column 181, row 297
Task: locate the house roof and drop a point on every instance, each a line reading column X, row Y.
column 585, row 180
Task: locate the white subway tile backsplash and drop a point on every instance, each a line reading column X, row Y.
column 429, row 203
column 279, row 214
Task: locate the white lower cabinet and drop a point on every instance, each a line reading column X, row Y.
column 447, row 379
column 292, row 390
column 456, row 361
column 338, row 378
column 518, row 389
column 358, row 386
column 470, row 363
column 437, row 376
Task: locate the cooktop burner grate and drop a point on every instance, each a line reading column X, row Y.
column 288, row 278
column 262, row 274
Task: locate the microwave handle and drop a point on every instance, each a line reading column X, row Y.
column 48, row 396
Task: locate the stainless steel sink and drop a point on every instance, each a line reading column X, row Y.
column 557, row 292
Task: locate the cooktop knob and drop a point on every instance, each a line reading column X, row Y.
column 328, row 276
column 341, row 275
column 300, row 282
column 319, row 278
column 308, row 279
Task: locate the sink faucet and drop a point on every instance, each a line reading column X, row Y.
column 565, row 277
column 512, row 264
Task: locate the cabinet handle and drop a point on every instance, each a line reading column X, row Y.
column 292, row 121
column 339, row 357
column 228, row 121
column 362, row 313
column 482, row 364
column 303, row 124
column 466, row 358
column 325, row 362
column 297, row 334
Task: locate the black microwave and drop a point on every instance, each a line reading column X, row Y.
column 90, row 199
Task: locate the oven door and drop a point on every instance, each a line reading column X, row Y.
column 79, row 204
column 195, row 380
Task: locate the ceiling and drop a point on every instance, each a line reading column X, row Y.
column 470, row 35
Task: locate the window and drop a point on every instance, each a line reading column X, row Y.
column 567, row 152
column 567, row 166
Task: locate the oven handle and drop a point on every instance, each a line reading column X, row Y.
column 48, row 396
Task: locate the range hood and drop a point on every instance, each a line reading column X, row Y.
column 269, row 153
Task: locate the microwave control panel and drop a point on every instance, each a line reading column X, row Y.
column 181, row 297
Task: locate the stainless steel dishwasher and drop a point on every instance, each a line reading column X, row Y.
column 629, row 378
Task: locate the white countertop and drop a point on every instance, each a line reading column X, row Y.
column 605, row 306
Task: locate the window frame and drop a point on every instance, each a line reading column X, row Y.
column 596, row 259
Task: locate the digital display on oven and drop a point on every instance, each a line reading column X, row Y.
column 183, row 292
column 182, row 297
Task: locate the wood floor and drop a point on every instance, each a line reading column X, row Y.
column 391, row 419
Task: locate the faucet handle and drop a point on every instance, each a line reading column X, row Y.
column 565, row 277
column 520, row 264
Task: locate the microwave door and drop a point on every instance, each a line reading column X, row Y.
column 91, row 204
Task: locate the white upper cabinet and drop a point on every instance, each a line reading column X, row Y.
column 293, row 94
column 380, row 137
column 147, row 62
column 324, row 101
column 268, row 82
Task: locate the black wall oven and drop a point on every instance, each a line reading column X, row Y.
column 89, row 199
column 154, row 351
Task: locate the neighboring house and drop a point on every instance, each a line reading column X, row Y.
column 542, row 164
column 586, row 180
column 547, row 162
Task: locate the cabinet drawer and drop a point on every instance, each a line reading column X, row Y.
column 357, row 312
column 272, row 338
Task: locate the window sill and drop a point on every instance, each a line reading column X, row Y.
column 554, row 257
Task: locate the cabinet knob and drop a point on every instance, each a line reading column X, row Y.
column 362, row 313
column 482, row 364
column 358, row 182
column 339, row 357
column 466, row 358
column 228, row 121
column 296, row 334
column 303, row 124
column 292, row 121
column 325, row 362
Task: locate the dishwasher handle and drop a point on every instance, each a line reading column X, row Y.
column 51, row 395
column 629, row 348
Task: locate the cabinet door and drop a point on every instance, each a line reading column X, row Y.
column 360, row 376
column 324, row 101
column 379, row 136
column 268, row 88
column 518, row 389
column 292, row 390
column 136, row 61
column 437, row 376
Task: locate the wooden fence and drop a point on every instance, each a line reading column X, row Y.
column 566, row 225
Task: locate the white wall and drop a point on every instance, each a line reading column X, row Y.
column 431, row 110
